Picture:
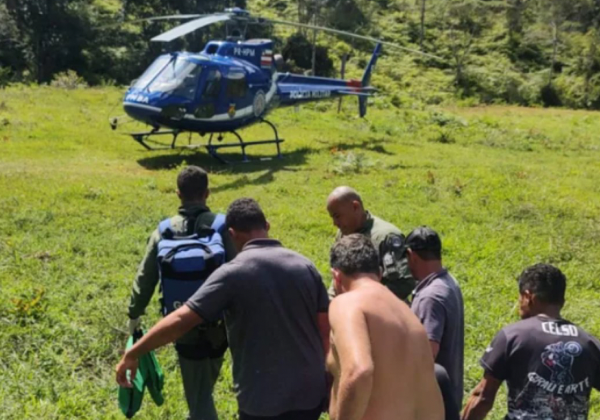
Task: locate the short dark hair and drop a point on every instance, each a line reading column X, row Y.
column 192, row 182
column 354, row 254
column 245, row 215
column 426, row 243
column 546, row 282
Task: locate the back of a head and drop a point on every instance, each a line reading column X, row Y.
column 546, row 282
column 192, row 183
column 354, row 254
column 245, row 215
column 344, row 194
column 426, row 243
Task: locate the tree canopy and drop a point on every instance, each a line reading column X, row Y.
column 526, row 52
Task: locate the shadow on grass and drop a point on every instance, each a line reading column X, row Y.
column 371, row 145
column 269, row 165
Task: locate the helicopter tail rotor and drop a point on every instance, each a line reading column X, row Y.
column 366, row 80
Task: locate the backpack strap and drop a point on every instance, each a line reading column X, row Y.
column 164, row 227
column 218, row 225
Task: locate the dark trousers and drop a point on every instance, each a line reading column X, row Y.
column 443, row 380
column 313, row 414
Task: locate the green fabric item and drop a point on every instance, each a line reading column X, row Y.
column 389, row 242
column 149, row 375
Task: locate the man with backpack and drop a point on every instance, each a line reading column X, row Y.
column 275, row 307
column 181, row 253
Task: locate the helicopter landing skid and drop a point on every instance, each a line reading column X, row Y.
column 211, row 148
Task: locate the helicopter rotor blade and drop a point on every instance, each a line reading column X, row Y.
column 350, row 34
column 151, row 19
column 175, row 17
column 188, row 27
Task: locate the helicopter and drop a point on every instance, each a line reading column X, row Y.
column 228, row 86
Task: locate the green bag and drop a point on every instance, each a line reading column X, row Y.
column 149, row 375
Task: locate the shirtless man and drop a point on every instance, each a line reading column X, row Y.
column 380, row 356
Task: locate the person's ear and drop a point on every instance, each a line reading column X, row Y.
column 206, row 194
column 528, row 298
column 179, row 194
column 268, row 226
column 232, row 233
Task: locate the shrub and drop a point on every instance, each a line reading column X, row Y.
column 68, row 80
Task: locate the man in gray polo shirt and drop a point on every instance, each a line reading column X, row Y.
column 275, row 307
column 438, row 303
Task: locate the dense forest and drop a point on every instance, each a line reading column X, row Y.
column 528, row 52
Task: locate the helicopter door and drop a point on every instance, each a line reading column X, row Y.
column 210, row 94
column 236, row 91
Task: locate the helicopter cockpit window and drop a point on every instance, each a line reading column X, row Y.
column 179, row 77
column 237, row 85
column 151, row 72
column 212, row 87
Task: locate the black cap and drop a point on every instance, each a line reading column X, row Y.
column 424, row 239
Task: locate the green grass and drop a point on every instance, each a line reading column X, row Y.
column 506, row 187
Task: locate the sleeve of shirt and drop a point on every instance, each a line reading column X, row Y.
column 432, row 314
column 596, row 383
column 322, row 293
column 495, row 359
column 214, row 296
column 146, row 279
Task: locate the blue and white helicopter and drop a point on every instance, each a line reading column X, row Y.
column 229, row 85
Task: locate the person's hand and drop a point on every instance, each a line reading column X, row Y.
column 127, row 363
column 134, row 325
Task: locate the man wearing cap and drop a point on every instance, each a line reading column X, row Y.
column 347, row 211
column 438, row 303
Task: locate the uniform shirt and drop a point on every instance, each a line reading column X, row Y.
column 438, row 303
column 550, row 366
column 389, row 243
column 270, row 297
column 147, row 276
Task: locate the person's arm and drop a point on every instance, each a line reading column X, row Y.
column 353, row 345
column 482, row 398
column 322, row 308
column 164, row 332
column 432, row 314
column 496, row 364
column 146, row 279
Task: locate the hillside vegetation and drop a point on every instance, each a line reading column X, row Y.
column 526, row 52
column 506, row 187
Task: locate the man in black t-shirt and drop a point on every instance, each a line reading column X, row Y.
column 550, row 365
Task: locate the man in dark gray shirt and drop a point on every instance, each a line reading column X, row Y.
column 438, row 303
column 275, row 307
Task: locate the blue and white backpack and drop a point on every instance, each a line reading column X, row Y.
column 185, row 262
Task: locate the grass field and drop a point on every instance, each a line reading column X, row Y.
column 506, row 187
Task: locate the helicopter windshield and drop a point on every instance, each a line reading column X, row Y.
column 179, row 77
column 151, row 72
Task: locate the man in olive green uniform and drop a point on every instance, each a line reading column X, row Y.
column 200, row 351
column 349, row 215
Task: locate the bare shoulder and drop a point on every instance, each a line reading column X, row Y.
column 344, row 306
